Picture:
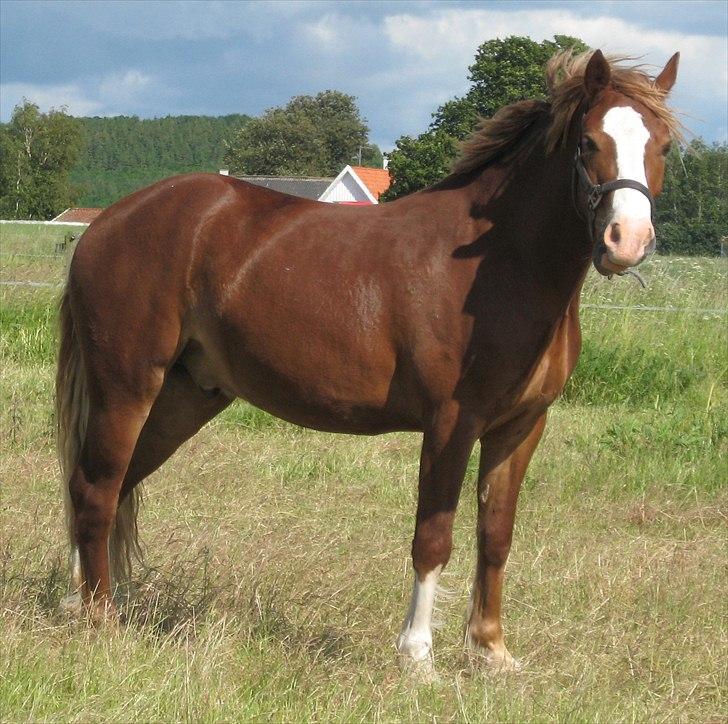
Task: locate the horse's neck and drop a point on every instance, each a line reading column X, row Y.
column 534, row 203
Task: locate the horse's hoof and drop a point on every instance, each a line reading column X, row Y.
column 504, row 664
column 103, row 615
column 71, row 605
column 497, row 661
column 418, row 671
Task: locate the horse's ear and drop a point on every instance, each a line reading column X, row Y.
column 596, row 74
column 666, row 80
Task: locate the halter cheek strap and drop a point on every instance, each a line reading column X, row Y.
column 595, row 192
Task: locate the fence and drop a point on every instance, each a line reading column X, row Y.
column 44, row 223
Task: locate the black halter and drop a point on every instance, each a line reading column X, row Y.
column 595, row 192
column 594, row 195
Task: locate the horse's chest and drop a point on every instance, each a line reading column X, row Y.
column 554, row 367
column 530, row 383
column 548, row 378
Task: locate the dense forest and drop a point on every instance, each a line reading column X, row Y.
column 124, row 153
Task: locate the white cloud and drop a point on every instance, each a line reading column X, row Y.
column 444, row 43
column 452, row 35
column 325, row 34
column 112, row 94
column 120, row 90
column 68, row 96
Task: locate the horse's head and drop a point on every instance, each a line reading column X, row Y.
column 621, row 164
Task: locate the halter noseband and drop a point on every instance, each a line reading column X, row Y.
column 594, row 195
column 595, row 192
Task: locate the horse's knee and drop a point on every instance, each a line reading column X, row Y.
column 432, row 544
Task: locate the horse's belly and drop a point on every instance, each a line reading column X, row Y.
column 324, row 401
column 336, row 388
column 310, row 337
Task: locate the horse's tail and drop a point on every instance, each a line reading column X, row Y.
column 72, row 406
column 71, row 417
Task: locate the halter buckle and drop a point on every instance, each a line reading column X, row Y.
column 594, row 197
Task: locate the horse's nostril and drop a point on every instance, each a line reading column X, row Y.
column 615, row 233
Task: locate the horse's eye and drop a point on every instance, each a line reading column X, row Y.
column 666, row 148
column 588, row 145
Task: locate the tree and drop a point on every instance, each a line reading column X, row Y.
column 310, row 135
column 371, row 156
column 37, row 152
column 419, row 162
column 692, row 212
column 281, row 142
column 504, row 71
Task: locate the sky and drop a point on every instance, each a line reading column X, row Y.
column 400, row 59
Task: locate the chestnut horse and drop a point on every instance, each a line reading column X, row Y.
column 453, row 311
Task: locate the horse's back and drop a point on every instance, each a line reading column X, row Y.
column 168, row 216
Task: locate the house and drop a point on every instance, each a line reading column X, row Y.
column 357, row 185
column 77, row 216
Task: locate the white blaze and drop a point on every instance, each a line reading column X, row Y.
column 415, row 640
column 630, row 136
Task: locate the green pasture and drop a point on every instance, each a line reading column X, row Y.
column 33, row 252
column 277, row 565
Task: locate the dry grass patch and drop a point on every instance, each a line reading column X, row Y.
column 278, row 573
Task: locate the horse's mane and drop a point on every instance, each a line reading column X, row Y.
column 504, row 133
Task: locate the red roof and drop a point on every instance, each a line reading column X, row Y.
column 377, row 180
column 79, row 216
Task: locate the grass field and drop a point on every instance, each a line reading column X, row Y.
column 278, row 573
column 32, row 252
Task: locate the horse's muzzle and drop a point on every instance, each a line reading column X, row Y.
column 623, row 245
column 606, row 267
column 600, row 259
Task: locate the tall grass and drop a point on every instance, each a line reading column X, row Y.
column 36, row 252
column 277, row 568
column 28, row 326
column 35, row 239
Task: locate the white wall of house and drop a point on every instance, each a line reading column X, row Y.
column 346, row 187
column 346, row 190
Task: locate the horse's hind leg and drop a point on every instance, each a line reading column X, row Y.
column 114, row 422
column 180, row 410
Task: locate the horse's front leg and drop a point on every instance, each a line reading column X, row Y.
column 446, row 448
column 504, row 457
